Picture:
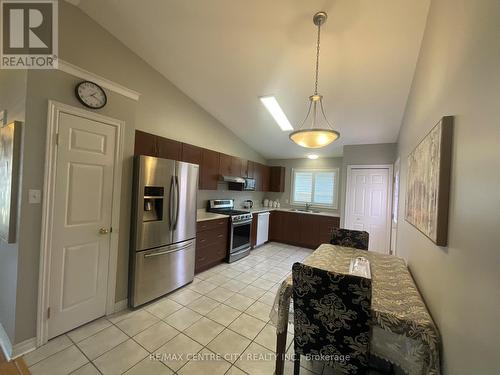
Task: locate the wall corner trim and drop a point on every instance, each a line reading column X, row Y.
column 5, row 344
column 76, row 71
column 24, row 347
column 121, row 305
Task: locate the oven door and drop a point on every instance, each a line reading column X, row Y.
column 240, row 236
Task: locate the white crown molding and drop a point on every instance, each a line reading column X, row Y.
column 76, row 71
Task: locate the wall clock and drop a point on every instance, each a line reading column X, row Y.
column 91, row 95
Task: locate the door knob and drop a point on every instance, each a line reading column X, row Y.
column 103, row 231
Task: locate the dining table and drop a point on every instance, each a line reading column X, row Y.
column 403, row 332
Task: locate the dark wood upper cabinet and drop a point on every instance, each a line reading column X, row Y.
column 235, row 166
column 225, row 164
column 212, row 164
column 153, row 145
column 230, row 165
column 257, row 174
column 277, row 180
column 191, row 154
column 250, row 169
column 145, row 144
column 209, row 170
column 244, row 168
column 169, row 149
column 266, row 177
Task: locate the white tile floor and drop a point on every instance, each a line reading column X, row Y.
column 225, row 311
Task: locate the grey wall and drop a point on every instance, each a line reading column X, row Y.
column 383, row 153
column 458, row 74
column 162, row 109
column 12, row 99
column 289, row 164
column 59, row 86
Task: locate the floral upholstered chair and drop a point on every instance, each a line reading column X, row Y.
column 331, row 319
column 350, row 238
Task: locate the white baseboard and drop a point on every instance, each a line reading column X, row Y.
column 121, row 305
column 5, row 344
column 24, row 347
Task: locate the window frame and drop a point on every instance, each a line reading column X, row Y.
column 335, row 203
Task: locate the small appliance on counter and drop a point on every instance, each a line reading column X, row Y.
column 247, row 204
column 240, row 227
column 163, row 229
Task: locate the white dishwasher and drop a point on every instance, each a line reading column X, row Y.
column 262, row 228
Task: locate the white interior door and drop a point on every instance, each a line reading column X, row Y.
column 367, row 205
column 82, row 216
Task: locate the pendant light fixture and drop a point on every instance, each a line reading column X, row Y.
column 315, row 131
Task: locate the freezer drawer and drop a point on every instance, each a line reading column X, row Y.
column 162, row 270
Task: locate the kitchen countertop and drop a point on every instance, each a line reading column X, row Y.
column 268, row 209
column 203, row 215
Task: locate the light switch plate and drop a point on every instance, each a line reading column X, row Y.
column 35, row 196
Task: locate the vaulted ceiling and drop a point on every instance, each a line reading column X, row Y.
column 224, row 54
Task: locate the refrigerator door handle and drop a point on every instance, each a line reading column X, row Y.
column 177, row 203
column 166, row 252
column 171, row 196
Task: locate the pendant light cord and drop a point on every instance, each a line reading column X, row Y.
column 317, row 61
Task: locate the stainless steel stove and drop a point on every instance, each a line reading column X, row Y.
column 240, row 227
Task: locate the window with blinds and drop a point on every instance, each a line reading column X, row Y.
column 319, row 187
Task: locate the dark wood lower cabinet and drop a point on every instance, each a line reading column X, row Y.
column 253, row 232
column 301, row 229
column 211, row 243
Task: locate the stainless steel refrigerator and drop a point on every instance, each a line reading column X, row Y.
column 163, row 230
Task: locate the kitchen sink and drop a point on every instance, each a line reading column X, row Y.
column 304, row 210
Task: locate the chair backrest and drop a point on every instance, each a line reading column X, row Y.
column 332, row 317
column 350, row 238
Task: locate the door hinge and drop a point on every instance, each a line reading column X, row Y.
column 48, row 313
column 111, row 230
column 57, row 139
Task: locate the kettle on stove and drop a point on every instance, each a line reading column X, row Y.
column 248, row 204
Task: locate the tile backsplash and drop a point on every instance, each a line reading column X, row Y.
column 223, row 193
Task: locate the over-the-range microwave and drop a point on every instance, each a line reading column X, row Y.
column 240, row 183
column 249, row 184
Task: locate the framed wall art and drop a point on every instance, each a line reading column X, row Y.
column 428, row 182
column 10, row 144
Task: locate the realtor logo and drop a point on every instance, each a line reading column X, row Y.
column 29, row 34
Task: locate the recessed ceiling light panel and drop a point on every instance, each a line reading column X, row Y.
column 312, row 156
column 275, row 110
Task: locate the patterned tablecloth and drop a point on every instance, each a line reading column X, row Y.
column 403, row 330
